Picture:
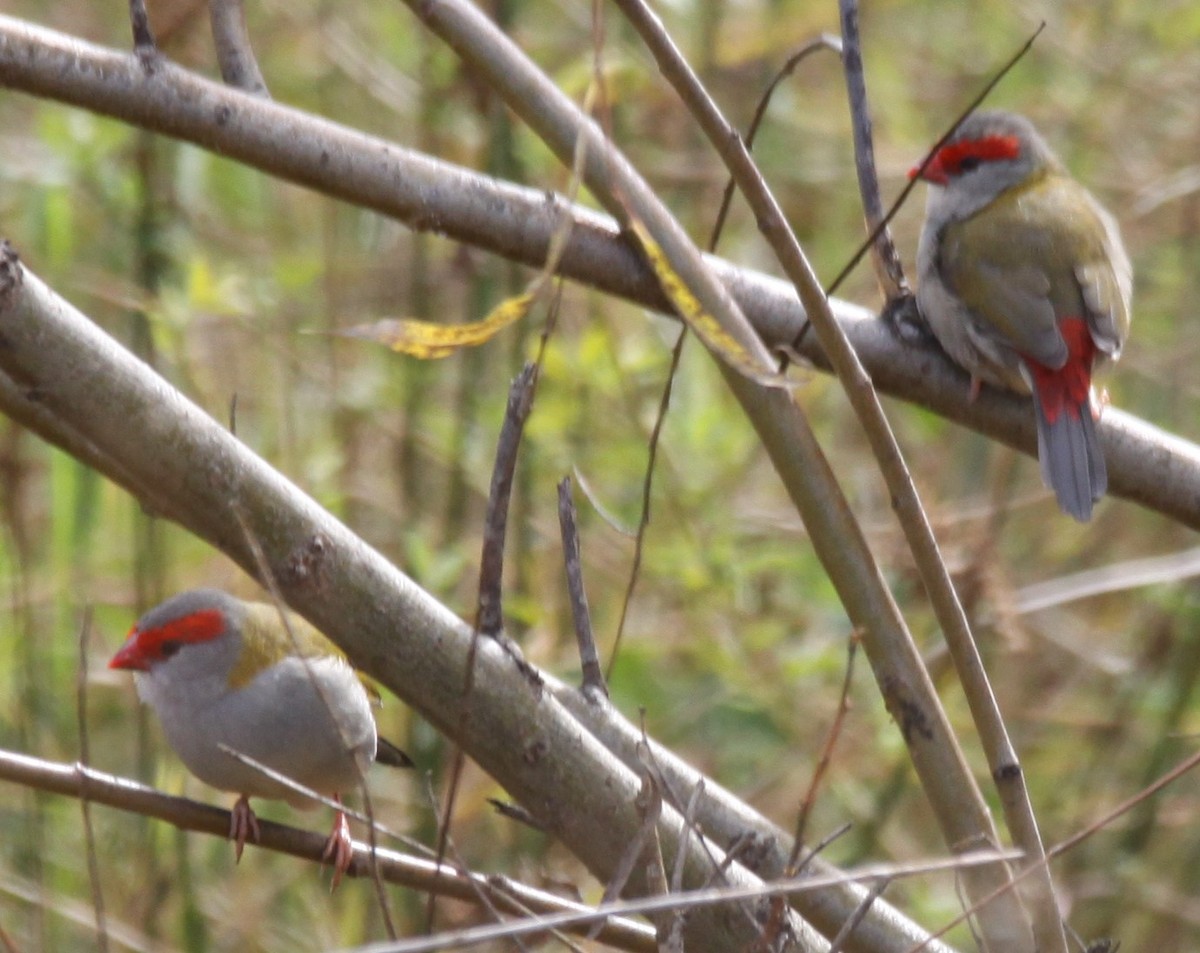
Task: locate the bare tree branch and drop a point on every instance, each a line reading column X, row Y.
column 907, row 690
column 235, row 55
column 62, row 375
column 96, row 787
column 728, row 821
column 692, row 900
column 1147, row 466
column 885, row 259
column 1045, row 919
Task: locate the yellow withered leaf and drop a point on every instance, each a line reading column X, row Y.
column 429, row 341
column 705, row 326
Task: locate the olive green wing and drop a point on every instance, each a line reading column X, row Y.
column 1107, row 286
column 1019, row 275
column 262, row 648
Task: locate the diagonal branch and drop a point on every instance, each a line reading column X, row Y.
column 96, row 787
column 61, row 375
column 1147, row 465
column 777, row 417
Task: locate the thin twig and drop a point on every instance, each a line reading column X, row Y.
column 823, row 42
column 958, row 803
column 458, row 764
column 839, row 831
column 490, row 612
column 647, row 763
column 843, row 935
column 886, row 259
column 447, row 847
column 649, row 808
column 916, row 177
column 514, row 812
column 1186, row 765
column 405, row 870
column 330, row 802
column 826, row 757
column 794, row 868
column 85, row 757
column 685, row 901
column 143, row 35
column 664, row 402
column 673, row 940
column 1104, row 580
column 235, row 54
column 381, row 899
column 589, row 660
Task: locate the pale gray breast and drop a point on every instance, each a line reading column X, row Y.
column 308, row 719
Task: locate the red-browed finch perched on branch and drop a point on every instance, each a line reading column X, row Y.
column 1024, row 281
column 222, row 672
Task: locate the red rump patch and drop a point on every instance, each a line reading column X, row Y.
column 1069, row 386
column 144, row 647
column 958, row 157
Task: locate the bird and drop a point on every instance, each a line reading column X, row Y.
column 1024, row 281
column 224, row 674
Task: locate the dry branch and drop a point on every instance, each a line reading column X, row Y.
column 97, row 787
column 67, row 380
column 1146, row 465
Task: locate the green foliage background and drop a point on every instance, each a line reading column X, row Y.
column 735, row 645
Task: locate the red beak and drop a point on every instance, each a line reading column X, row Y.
column 130, row 655
column 933, row 173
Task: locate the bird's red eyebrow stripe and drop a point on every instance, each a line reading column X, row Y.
column 194, row 627
column 987, row 148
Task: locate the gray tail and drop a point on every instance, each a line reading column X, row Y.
column 387, row 753
column 1071, row 458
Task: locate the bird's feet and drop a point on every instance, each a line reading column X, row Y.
column 906, row 322
column 339, row 849
column 242, row 824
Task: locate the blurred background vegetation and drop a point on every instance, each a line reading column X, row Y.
column 735, row 645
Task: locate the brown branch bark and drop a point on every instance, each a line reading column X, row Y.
column 97, row 787
column 1146, row 465
column 63, row 377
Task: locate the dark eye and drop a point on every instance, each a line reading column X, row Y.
column 968, row 163
column 169, row 647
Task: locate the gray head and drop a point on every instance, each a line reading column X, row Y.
column 182, row 631
column 990, row 152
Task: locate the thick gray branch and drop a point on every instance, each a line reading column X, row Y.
column 1146, row 465
column 65, row 378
